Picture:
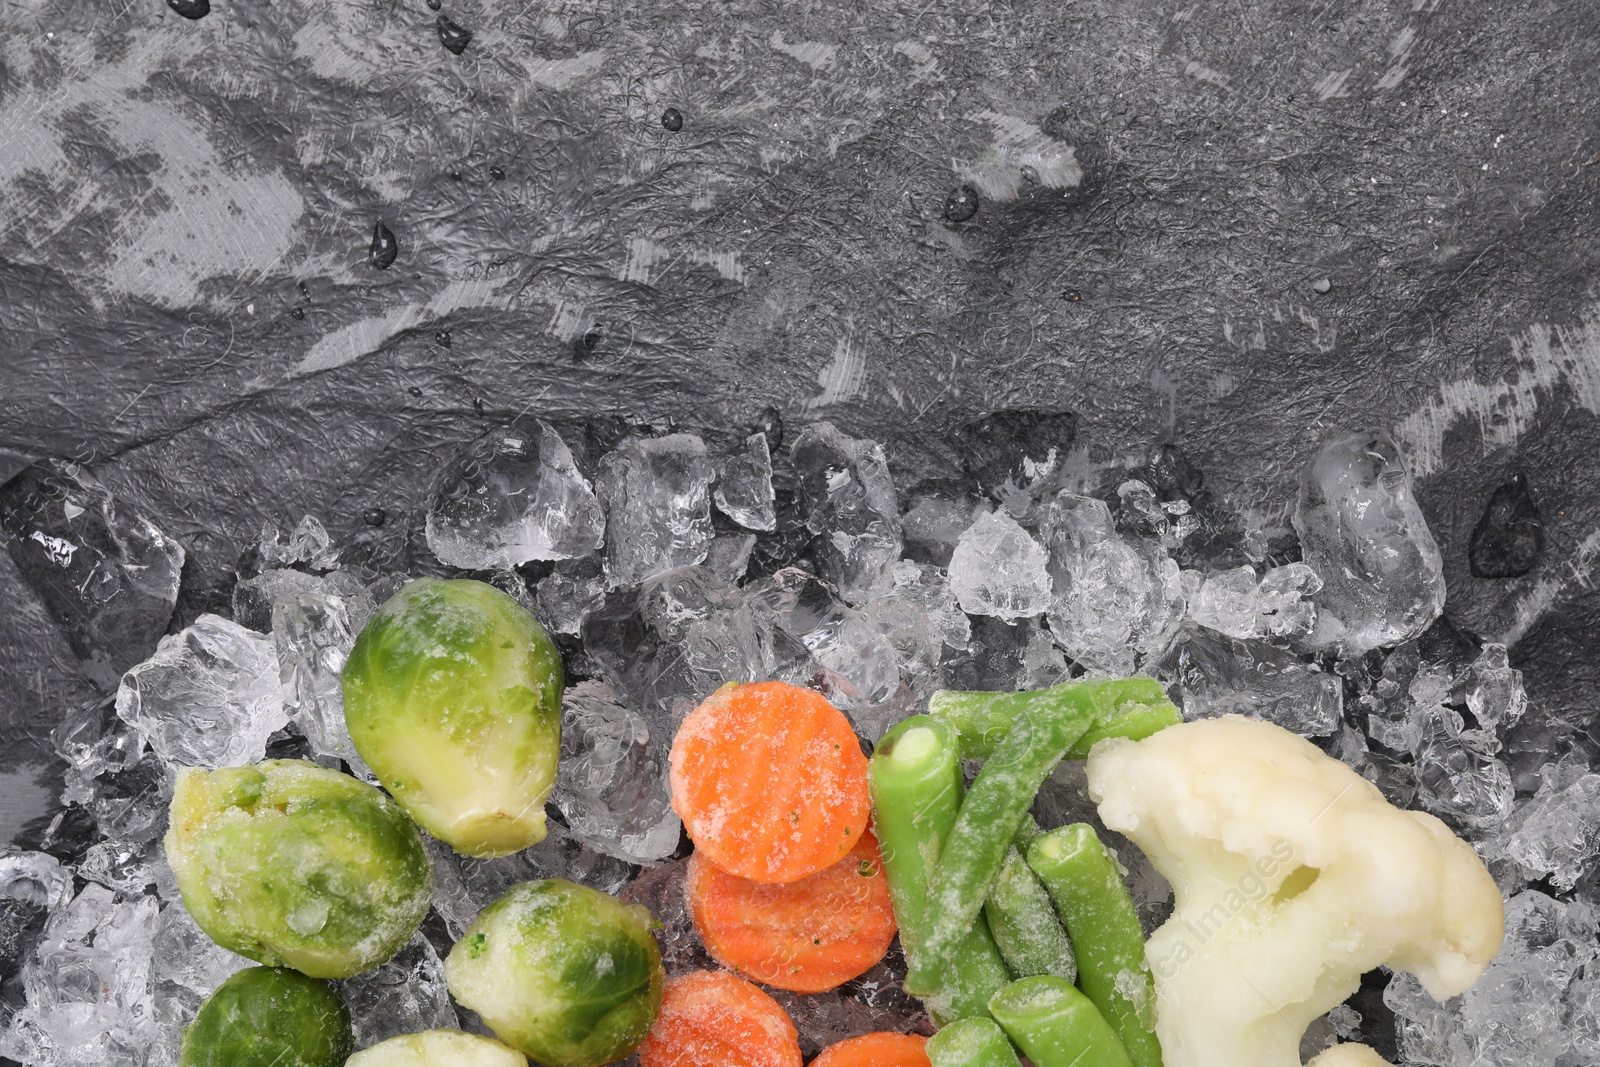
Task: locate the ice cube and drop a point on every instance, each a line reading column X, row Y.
column 1113, row 600
column 88, row 987
column 1558, row 831
column 1458, row 778
column 848, row 498
column 405, row 995
column 744, row 487
column 32, row 886
column 186, row 956
column 253, row 597
column 1362, row 532
column 612, row 786
column 208, row 697
column 308, row 545
column 566, row 596
column 837, row 636
column 668, row 645
column 106, row 572
column 729, row 555
column 1509, row 538
column 1494, row 689
column 512, row 496
column 1235, row 603
column 657, row 497
column 1220, row 675
column 999, row 569
column 94, row 741
column 313, row 633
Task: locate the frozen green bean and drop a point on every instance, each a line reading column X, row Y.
column 915, row 778
column 975, row 1042
column 1123, row 707
column 1055, row 1025
column 1024, row 924
column 1083, row 880
column 976, row 845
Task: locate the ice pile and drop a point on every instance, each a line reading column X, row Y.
column 1363, row 534
column 1219, row 675
column 512, row 496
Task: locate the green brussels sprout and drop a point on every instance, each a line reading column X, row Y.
column 453, row 697
column 269, row 1017
column 561, row 972
column 294, row 865
column 438, row 1048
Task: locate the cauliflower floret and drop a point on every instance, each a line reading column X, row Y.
column 1292, row 876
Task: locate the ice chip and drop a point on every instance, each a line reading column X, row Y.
column 512, row 496
column 837, row 636
column 1458, row 776
column 729, row 555
column 848, row 498
column 999, row 569
column 1114, row 600
column 308, row 545
column 406, row 995
column 657, row 497
column 106, row 573
column 1219, row 675
column 1558, row 831
column 1494, row 689
column 314, row 633
column 94, row 741
column 744, row 488
column 208, row 697
column 612, row 787
column 1235, row 603
column 1362, row 532
column 566, row 596
column 934, row 524
column 253, row 598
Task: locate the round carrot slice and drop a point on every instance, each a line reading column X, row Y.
column 717, row 1019
column 876, row 1050
column 770, row 781
column 803, row 936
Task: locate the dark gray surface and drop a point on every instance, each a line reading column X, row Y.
column 1291, row 216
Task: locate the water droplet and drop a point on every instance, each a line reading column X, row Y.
column 443, row 337
column 961, row 204
column 1030, row 174
column 1509, row 539
column 297, row 313
column 1322, row 285
column 384, row 247
column 496, row 174
column 589, row 341
column 672, row 120
column 477, row 405
column 1073, row 296
column 414, row 391
column 454, row 38
column 769, row 422
column 191, row 9
column 434, row 5
column 374, row 516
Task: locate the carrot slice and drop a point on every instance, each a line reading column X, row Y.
column 770, row 781
column 717, row 1019
column 803, row 936
column 876, row 1050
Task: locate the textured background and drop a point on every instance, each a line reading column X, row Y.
column 1233, row 224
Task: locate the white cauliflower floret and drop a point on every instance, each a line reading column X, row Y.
column 1292, row 876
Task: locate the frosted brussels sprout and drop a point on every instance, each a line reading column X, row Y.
column 566, row 974
column 453, row 697
column 438, row 1048
column 294, row 865
column 269, row 1017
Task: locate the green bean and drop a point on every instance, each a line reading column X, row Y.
column 1055, row 1025
column 1088, row 891
column 989, row 815
column 915, row 777
column 1124, row 707
column 975, row 1042
column 1025, row 928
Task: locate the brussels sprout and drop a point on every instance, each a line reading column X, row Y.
column 563, row 973
column 453, row 697
column 269, row 1017
column 295, row 865
column 438, row 1048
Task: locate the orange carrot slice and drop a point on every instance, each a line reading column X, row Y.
column 876, row 1050
column 770, row 781
column 803, row 936
column 717, row 1019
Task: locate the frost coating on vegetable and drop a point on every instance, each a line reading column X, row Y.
column 453, row 697
column 564, row 973
column 269, row 1017
column 1292, row 876
column 438, row 1048
column 295, row 865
